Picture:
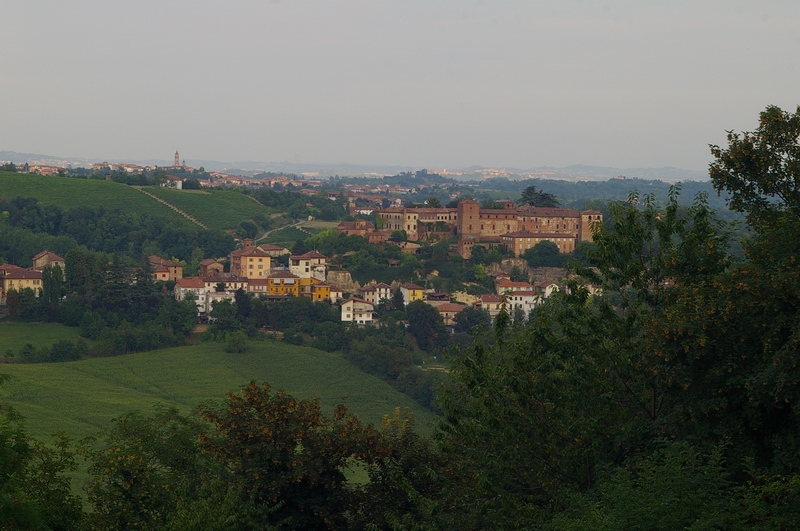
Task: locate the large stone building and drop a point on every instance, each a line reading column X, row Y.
column 518, row 228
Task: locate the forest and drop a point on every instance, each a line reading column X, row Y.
column 667, row 400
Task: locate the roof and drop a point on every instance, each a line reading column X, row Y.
column 512, row 284
column 491, row 298
column 282, row 274
column 308, row 256
column 356, row 299
column 523, row 293
column 549, row 212
column 53, row 257
column 208, row 262
column 10, row 267
column 23, row 274
column 409, row 285
column 190, row 283
column 157, row 260
column 546, row 235
column 253, row 251
column 450, row 307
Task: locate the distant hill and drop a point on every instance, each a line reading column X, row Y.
column 577, row 172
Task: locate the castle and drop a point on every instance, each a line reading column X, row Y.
column 518, row 228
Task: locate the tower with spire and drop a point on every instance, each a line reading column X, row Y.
column 177, row 159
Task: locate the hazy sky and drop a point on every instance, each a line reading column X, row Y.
column 421, row 83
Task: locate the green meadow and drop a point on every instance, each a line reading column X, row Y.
column 218, row 209
column 80, row 398
column 71, row 193
column 14, row 335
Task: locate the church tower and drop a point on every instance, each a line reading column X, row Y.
column 177, row 159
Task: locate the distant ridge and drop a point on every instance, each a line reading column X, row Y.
column 575, row 172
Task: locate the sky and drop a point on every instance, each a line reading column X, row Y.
column 422, row 83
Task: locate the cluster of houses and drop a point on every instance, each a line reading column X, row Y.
column 509, row 295
column 14, row 277
column 252, row 270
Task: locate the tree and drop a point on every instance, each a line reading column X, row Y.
column 286, row 455
column 398, row 302
column 299, row 248
column 433, row 202
column 426, row 325
column 469, row 318
column 760, row 169
column 544, row 254
column 538, row 198
column 398, row 236
column 237, row 343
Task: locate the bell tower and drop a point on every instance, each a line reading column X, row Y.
column 177, row 159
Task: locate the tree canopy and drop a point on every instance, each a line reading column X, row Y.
column 538, row 198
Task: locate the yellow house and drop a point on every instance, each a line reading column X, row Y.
column 321, row 291
column 412, row 292
column 283, row 283
column 22, row 278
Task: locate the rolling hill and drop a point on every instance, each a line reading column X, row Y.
column 80, row 398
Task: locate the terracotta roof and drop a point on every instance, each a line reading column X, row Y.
column 208, row 261
column 253, row 251
column 190, row 282
column 450, row 307
column 511, row 284
column 282, row 274
column 307, row 256
column 53, row 257
column 409, row 285
column 523, row 293
column 546, row 235
column 491, row 298
column 157, row 260
column 10, row 267
column 549, row 212
column 23, row 273
column 356, row 299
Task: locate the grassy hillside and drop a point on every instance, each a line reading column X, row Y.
column 218, row 209
column 14, row 335
column 81, row 397
column 71, row 193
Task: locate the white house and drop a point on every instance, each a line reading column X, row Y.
column 357, row 311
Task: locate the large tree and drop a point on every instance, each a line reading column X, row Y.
column 760, row 169
column 538, row 198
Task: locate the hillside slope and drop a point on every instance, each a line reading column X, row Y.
column 72, row 193
column 81, row 397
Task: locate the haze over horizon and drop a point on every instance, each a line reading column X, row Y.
column 442, row 84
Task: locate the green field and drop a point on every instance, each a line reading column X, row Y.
column 14, row 335
column 218, row 209
column 80, row 398
column 70, row 193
